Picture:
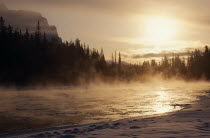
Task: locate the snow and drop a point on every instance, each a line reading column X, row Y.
column 188, row 122
column 191, row 120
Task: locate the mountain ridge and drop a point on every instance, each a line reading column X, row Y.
column 23, row 19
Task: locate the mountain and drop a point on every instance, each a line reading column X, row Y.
column 28, row 19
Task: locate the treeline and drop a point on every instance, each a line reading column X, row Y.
column 195, row 66
column 33, row 59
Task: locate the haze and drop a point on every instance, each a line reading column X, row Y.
column 137, row 28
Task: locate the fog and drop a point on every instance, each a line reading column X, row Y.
column 52, row 106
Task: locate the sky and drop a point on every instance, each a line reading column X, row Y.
column 139, row 29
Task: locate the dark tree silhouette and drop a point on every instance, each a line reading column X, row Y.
column 32, row 59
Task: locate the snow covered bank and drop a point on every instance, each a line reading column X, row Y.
column 189, row 122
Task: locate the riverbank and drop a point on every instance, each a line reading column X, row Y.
column 191, row 121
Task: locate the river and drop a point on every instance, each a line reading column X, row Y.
column 39, row 108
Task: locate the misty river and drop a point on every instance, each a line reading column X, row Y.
column 29, row 109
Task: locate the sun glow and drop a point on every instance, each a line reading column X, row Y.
column 160, row 29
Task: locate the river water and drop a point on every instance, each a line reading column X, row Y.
column 29, row 109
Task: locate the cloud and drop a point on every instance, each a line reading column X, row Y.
column 136, row 58
column 159, row 55
column 130, row 54
column 196, row 11
column 118, row 7
column 124, row 6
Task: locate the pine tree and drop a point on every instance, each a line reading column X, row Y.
column 2, row 26
column 206, row 52
column 77, row 43
column 88, row 52
column 38, row 33
column 115, row 57
column 10, row 30
column 112, row 59
column 38, row 27
column 102, row 57
column 27, row 35
column 1, row 22
column 119, row 62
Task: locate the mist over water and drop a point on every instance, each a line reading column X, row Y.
column 23, row 109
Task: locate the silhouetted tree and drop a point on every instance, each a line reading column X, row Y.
column 38, row 34
column 30, row 58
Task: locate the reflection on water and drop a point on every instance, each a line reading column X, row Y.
column 161, row 103
column 41, row 108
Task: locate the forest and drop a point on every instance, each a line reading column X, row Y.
column 27, row 59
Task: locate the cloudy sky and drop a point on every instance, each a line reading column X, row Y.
column 137, row 28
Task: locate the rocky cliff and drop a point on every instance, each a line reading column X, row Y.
column 27, row 19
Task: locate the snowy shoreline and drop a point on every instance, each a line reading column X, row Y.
column 191, row 122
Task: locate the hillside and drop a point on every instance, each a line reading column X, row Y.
column 28, row 19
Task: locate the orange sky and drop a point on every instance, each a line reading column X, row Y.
column 137, row 28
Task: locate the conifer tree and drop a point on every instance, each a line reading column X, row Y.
column 27, row 35
column 119, row 62
column 115, row 57
column 2, row 26
column 38, row 33
column 112, row 59
column 10, row 30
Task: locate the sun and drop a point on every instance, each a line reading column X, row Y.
column 160, row 28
